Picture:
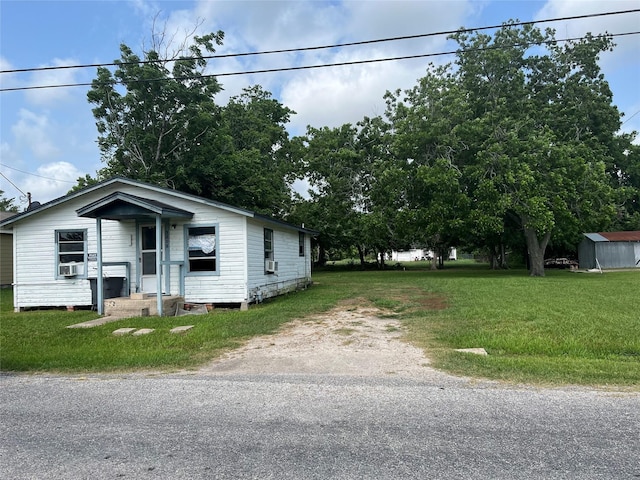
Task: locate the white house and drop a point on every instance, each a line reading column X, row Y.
column 416, row 254
column 122, row 236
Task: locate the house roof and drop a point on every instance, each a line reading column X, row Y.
column 633, row 236
column 5, row 215
column 121, row 206
column 144, row 186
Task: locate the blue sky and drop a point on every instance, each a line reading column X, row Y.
column 48, row 137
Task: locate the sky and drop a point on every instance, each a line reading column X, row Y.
column 48, row 136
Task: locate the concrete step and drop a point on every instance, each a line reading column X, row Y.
column 124, row 307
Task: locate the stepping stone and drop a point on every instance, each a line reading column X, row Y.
column 181, row 329
column 123, row 331
column 143, row 331
column 475, row 351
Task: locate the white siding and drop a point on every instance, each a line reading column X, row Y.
column 35, row 257
column 229, row 285
column 293, row 272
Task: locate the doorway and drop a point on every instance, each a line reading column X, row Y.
column 147, row 261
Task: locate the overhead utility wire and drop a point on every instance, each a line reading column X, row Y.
column 14, row 185
column 338, row 45
column 308, row 67
column 36, row 175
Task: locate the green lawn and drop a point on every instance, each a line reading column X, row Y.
column 565, row 328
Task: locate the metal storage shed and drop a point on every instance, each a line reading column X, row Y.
column 610, row 250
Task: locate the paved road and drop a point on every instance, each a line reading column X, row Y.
column 310, row 427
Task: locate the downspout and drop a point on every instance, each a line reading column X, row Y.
column 99, row 280
column 159, row 263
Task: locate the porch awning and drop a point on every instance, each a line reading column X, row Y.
column 123, row 206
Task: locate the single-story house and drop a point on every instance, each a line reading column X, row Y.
column 609, row 250
column 122, row 236
column 6, row 252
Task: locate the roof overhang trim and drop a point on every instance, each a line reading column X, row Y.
column 123, row 206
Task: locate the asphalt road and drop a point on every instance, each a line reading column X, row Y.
column 310, row 427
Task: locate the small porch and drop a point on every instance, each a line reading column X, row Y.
column 149, row 214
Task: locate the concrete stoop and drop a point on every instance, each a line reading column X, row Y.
column 141, row 306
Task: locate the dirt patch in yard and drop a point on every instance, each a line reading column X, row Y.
column 354, row 338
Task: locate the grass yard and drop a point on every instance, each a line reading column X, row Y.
column 565, row 328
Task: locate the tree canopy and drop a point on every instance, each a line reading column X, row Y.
column 6, row 204
column 158, row 122
column 514, row 146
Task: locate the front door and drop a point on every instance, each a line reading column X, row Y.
column 148, row 252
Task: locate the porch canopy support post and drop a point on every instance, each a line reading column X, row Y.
column 159, row 250
column 100, row 277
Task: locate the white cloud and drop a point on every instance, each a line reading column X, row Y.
column 32, row 131
column 625, row 46
column 52, row 96
column 53, row 180
column 335, row 95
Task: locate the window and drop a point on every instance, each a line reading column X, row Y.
column 301, row 244
column 269, row 265
column 268, row 244
column 201, row 249
column 71, row 250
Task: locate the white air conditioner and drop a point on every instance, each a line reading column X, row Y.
column 270, row 266
column 68, row 269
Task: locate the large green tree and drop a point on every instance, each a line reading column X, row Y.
column 542, row 128
column 334, row 167
column 152, row 112
column 255, row 166
column 158, row 122
column 426, row 146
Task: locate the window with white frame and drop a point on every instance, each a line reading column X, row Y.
column 71, row 253
column 202, row 249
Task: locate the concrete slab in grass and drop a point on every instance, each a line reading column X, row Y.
column 181, row 329
column 123, row 331
column 475, row 351
column 143, row 331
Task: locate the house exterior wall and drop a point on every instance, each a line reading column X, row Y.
column 228, row 284
column 6, row 259
column 35, row 282
column 294, row 270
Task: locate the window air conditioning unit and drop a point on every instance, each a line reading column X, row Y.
column 68, row 269
column 271, row 266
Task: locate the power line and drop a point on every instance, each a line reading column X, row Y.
column 14, row 185
column 33, row 175
column 630, row 118
column 308, row 67
column 321, row 47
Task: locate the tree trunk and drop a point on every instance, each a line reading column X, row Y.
column 434, row 261
column 536, row 249
column 493, row 257
column 503, row 257
column 322, row 255
column 361, row 255
column 381, row 257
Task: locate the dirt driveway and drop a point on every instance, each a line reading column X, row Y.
column 350, row 339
